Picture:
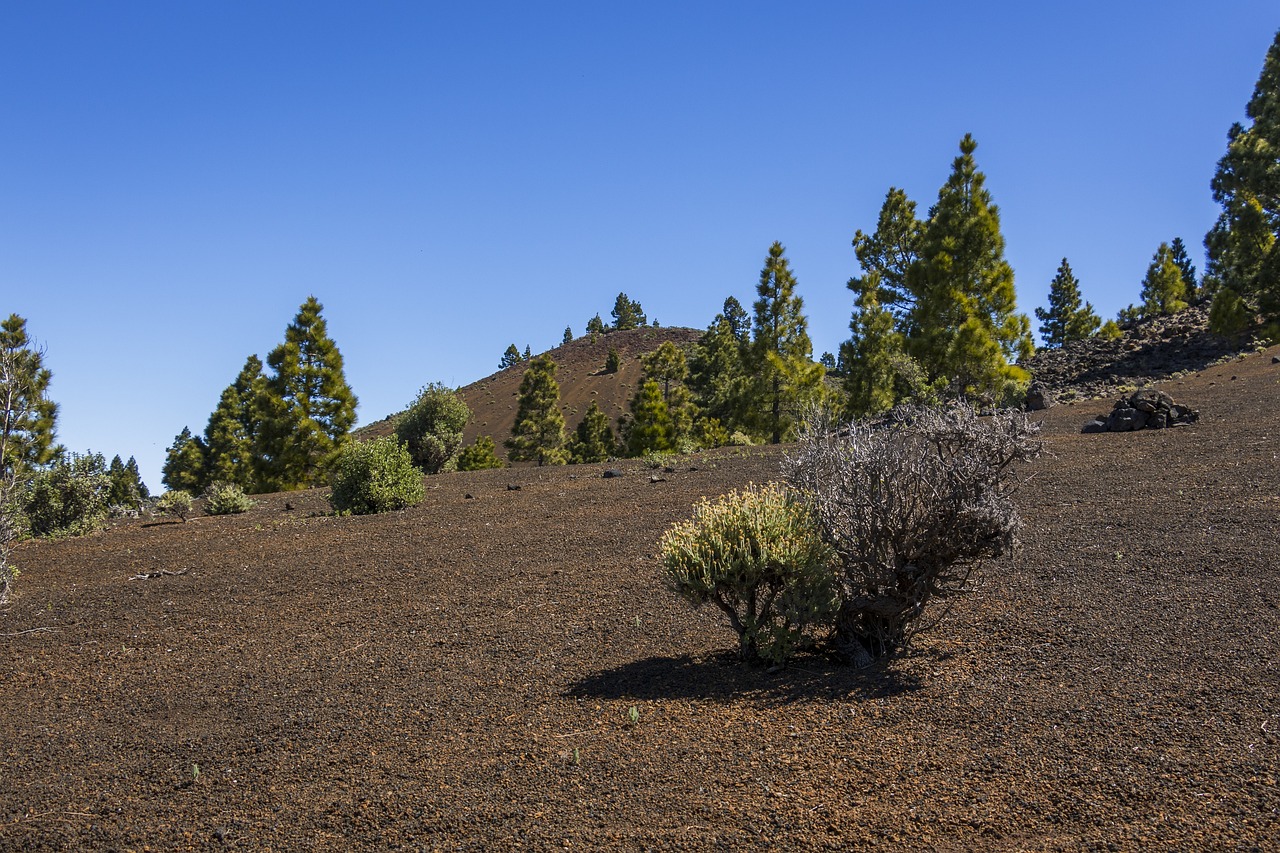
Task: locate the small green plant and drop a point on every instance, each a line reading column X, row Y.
column 481, row 455
column 758, row 556
column 176, row 503
column 633, row 715
column 375, row 476
column 223, row 498
column 195, row 773
column 658, row 459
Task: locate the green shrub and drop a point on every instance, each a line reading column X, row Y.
column 758, row 556
column 223, row 498
column 176, row 502
column 375, row 476
column 432, row 428
column 68, row 498
column 479, row 456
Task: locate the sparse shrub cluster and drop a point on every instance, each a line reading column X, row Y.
column 758, row 556
column 881, row 519
column 375, row 476
column 223, row 498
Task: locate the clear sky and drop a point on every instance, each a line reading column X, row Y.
column 177, row 178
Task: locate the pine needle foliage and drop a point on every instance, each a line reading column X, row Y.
column 480, row 455
column 28, row 417
column 1066, row 319
column 593, row 440
column 538, row 435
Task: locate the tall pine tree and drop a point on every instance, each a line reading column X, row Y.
column 1243, row 272
column 1164, row 289
column 718, row 375
column 651, row 429
column 890, row 252
column 27, row 416
column 184, row 464
column 873, row 357
column 538, row 435
column 593, row 440
column 1188, row 269
column 1066, row 320
column 964, row 326
column 787, row 378
column 231, row 436
column 309, row 408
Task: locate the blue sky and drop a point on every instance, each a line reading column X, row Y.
column 448, row 179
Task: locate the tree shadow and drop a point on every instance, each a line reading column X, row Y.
column 723, row 678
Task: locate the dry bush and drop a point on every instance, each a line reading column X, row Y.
column 911, row 505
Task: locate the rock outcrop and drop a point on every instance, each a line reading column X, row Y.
column 1150, row 350
column 1146, row 408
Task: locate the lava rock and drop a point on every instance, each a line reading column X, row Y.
column 610, row 473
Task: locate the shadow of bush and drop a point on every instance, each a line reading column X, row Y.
column 723, row 678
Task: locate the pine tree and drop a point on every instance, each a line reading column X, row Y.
column 231, row 436
column 595, row 326
column 126, row 488
column 665, row 364
column 593, row 440
column 717, row 374
column 131, row 468
column 27, row 416
column 651, row 429
column 781, row 353
column 538, row 435
column 613, row 361
column 527, row 353
column 890, row 252
column 1243, row 273
column 510, row 358
column 1066, row 320
column 874, row 356
column 627, row 314
column 309, row 408
column 1188, row 269
column 738, row 318
column 568, row 335
column 1164, row 291
column 480, row 455
column 964, row 325
column 184, row 464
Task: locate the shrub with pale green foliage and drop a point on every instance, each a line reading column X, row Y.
column 432, row 426
column 375, row 476
column 480, row 456
column 757, row 555
column 223, row 498
column 68, row 498
column 176, row 503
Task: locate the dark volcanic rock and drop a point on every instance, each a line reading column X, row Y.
column 1151, row 349
column 1146, row 408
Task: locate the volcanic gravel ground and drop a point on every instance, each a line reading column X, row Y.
column 461, row 675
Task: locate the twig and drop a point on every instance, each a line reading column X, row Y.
column 146, row 576
column 32, row 631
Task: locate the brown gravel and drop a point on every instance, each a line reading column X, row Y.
column 460, row 675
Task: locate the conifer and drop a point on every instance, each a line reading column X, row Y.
column 717, row 374
column 1164, row 290
column 873, row 356
column 568, row 335
column 665, row 364
column 27, row 416
column 538, row 435
column 1243, row 273
column 480, row 455
column 184, row 464
column 964, row 326
column 651, row 429
column 1188, row 269
column 593, row 441
column 510, row 358
column 890, row 252
column 627, row 314
column 595, row 326
column 781, row 354
column 1065, row 320
column 613, row 361
column 309, row 408
column 231, row 435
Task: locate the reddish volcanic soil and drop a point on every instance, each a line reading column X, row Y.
column 460, row 675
